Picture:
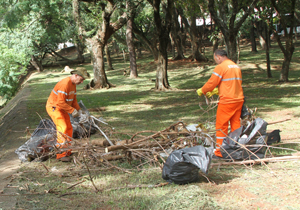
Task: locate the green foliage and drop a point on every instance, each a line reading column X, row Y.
column 30, row 28
column 245, row 28
column 38, row 25
column 11, row 67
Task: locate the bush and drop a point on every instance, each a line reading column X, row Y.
column 11, row 67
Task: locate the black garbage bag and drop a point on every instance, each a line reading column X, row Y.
column 182, row 166
column 274, row 137
column 41, row 142
column 82, row 130
column 43, row 139
column 246, row 142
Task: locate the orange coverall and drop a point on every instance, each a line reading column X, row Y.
column 62, row 100
column 228, row 77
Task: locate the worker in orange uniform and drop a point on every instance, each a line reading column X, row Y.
column 62, row 102
column 227, row 77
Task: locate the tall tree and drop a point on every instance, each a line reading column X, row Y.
column 144, row 28
column 229, row 15
column 176, row 36
column 286, row 13
column 263, row 24
column 108, row 58
column 101, row 13
column 189, row 11
column 131, row 49
column 78, row 37
column 163, row 27
column 252, row 36
column 149, row 41
column 130, row 44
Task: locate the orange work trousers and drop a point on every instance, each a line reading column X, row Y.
column 64, row 129
column 227, row 113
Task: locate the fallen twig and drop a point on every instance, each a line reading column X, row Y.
column 45, row 167
column 280, row 121
column 75, row 184
column 71, row 193
column 90, row 176
column 257, row 161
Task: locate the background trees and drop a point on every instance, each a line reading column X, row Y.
column 229, row 15
column 287, row 17
column 34, row 29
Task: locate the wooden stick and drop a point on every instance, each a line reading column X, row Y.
column 90, row 176
column 257, row 161
column 45, row 167
column 134, row 145
column 280, row 121
column 71, row 193
column 75, row 184
column 147, row 131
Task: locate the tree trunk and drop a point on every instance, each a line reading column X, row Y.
column 139, row 50
column 172, row 45
column 239, row 50
column 36, row 63
column 162, row 82
column 252, row 38
column 195, row 41
column 80, row 49
column 261, row 28
column 175, row 36
column 288, row 53
column 231, row 45
column 215, row 40
column 100, row 79
column 284, row 75
column 108, row 58
column 97, row 43
column 163, row 27
column 151, row 45
column 267, row 35
column 131, row 49
column 79, row 42
column 183, row 34
column 183, row 30
column 215, row 44
column 289, row 47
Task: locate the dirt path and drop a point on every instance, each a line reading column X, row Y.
column 12, row 127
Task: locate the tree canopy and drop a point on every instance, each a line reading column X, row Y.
column 33, row 29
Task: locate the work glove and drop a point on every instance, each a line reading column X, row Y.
column 213, row 92
column 75, row 113
column 83, row 117
column 199, row 92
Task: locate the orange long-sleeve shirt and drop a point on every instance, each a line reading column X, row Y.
column 63, row 96
column 228, row 77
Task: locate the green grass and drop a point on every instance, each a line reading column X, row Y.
column 134, row 106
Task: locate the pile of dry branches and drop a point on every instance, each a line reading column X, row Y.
column 151, row 147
